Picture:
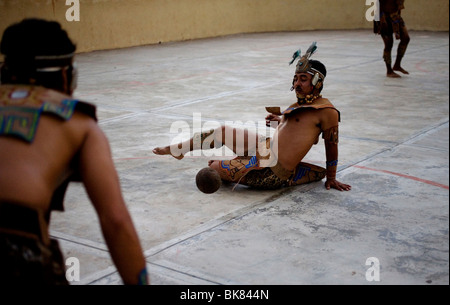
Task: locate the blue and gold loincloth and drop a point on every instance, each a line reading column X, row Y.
column 249, row 170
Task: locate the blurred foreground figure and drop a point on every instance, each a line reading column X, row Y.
column 48, row 139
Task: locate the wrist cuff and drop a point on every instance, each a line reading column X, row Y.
column 332, row 163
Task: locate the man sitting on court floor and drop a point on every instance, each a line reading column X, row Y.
column 270, row 163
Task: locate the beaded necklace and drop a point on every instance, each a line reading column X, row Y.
column 309, row 99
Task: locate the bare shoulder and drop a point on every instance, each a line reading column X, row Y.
column 329, row 115
column 85, row 126
column 323, row 101
column 329, row 111
column 83, row 119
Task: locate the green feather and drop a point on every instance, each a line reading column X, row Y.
column 312, row 48
column 296, row 54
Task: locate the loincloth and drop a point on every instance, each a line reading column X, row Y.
column 260, row 171
column 389, row 24
column 27, row 255
column 264, row 179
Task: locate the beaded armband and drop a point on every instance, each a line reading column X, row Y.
column 331, row 171
column 143, row 277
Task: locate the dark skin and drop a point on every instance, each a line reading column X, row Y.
column 390, row 7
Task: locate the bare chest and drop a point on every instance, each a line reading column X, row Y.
column 307, row 121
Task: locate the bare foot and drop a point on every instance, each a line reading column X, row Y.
column 166, row 151
column 400, row 69
column 393, row 75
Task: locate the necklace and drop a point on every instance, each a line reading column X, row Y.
column 309, row 99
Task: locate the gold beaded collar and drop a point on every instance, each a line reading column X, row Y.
column 309, row 99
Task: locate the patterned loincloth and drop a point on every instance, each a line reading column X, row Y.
column 26, row 261
column 27, row 255
column 264, row 179
column 259, row 171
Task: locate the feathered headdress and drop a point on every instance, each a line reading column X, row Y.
column 303, row 64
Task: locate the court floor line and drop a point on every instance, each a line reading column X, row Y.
column 403, row 176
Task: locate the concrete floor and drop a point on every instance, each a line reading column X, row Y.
column 394, row 146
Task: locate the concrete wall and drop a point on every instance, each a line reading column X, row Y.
column 109, row 24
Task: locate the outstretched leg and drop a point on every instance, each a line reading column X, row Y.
column 241, row 141
column 200, row 140
column 166, row 150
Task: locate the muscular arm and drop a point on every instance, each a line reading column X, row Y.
column 331, row 152
column 102, row 185
column 330, row 122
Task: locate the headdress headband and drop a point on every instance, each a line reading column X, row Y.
column 44, row 61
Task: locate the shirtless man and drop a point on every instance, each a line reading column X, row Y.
column 392, row 24
column 48, row 139
column 276, row 162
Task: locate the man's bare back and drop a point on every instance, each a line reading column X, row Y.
column 48, row 139
column 33, row 171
